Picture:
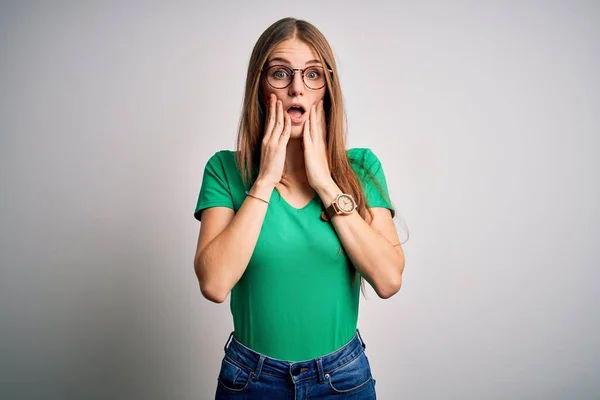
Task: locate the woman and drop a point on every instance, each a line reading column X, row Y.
column 291, row 223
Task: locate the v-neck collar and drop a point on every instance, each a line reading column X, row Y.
column 287, row 204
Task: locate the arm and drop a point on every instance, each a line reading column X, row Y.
column 226, row 243
column 370, row 244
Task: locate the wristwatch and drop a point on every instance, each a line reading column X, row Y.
column 343, row 204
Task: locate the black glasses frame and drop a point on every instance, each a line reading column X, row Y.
column 294, row 73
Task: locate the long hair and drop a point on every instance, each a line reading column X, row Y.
column 252, row 121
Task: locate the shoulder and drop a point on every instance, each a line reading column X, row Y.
column 223, row 156
column 222, row 160
column 360, row 154
column 357, row 152
column 362, row 158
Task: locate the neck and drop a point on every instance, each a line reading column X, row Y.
column 294, row 159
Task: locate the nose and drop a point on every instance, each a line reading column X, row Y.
column 297, row 85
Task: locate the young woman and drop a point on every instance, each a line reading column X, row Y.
column 291, row 224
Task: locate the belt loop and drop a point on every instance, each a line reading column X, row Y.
column 364, row 345
column 319, row 362
column 227, row 342
column 258, row 369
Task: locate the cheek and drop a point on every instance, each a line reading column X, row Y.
column 317, row 97
column 320, row 96
column 267, row 91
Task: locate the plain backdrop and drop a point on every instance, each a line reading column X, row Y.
column 485, row 116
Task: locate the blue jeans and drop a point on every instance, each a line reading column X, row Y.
column 343, row 374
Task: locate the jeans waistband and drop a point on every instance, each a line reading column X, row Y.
column 300, row 370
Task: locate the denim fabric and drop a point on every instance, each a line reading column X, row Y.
column 343, row 374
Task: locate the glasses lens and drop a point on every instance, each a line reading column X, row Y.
column 279, row 76
column 314, row 77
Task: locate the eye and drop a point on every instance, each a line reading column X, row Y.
column 280, row 74
column 313, row 74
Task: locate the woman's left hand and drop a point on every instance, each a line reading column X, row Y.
column 315, row 148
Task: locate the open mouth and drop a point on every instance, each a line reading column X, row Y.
column 297, row 110
column 296, row 113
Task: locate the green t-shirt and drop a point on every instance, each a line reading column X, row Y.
column 295, row 301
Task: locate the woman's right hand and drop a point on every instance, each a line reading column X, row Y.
column 274, row 143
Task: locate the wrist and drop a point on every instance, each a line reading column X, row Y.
column 328, row 192
column 262, row 189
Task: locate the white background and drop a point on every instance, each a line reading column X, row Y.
column 485, row 116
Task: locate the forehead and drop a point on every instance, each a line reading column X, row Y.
column 294, row 50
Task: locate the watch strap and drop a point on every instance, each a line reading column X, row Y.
column 332, row 209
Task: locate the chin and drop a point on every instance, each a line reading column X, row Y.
column 296, row 132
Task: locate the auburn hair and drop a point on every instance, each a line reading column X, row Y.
column 252, row 121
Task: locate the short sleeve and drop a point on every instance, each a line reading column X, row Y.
column 215, row 190
column 373, row 180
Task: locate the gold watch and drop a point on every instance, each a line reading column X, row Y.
column 343, row 204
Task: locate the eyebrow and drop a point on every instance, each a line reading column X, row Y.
column 283, row 60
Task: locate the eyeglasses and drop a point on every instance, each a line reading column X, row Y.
column 281, row 76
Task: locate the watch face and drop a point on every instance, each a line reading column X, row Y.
column 345, row 203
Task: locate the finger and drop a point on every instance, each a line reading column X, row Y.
column 314, row 129
column 270, row 116
column 306, row 133
column 278, row 121
column 287, row 130
column 323, row 119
